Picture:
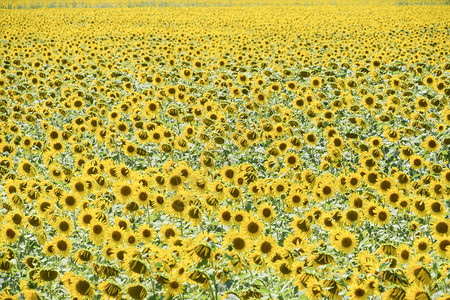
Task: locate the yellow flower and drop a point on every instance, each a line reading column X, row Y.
column 344, row 241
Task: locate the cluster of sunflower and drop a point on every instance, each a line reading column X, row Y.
column 21, row 4
column 251, row 152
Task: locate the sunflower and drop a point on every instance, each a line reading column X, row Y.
column 266, row 212
column 419, row 206
column 237, row 241
column 168, row 232
column 352, row 216
column 110, row 290
column 416, row 293
column 384, row 185
column 358, row 291
column 369, row 101
column 177, row 206
column 130, row 149
column 422, row 245
column 316, row 82
column 291, row 160
column 240, row 216
column 418, row 274
column 80, row 187
column 344, row 241
column 135, row 268
column 266, row 245
column 252, row 227
column 310, row 139
column 279, row 186
column 63, row 225
column 326, row 190
column 228, row 173
column 25, row 168
column 124, row 191
column 16, row 218
column 158, row 201
column 436, row 189
column 64, row 246
column 85, row 217
column 115, row 235
column 430, row 144
column 175, row 180
column 382, row 216
column 97, row 232
column 301, row 225
column 436, row 208
column 45, row 208
column 442, row 247
column 404, row 253
column 9, row 234
column 173, row 288
column 445, row 175
column 146, row 233
column 78, row 286
column 440, row 227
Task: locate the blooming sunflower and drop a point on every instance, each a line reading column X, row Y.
column 173, row 287
column 430, row 144
column 252, row 227
column 344, row 241
column 237, row 241
column 358, row 292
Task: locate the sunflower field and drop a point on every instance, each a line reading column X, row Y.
column 222, row 149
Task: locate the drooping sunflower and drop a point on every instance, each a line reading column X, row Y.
column 301, row 225
column 418, row 274
column 110, row 290
column 45, row 275
column 416, row 293
column 78, row 286
column 26, row 168
column 136, row 291
column 442, row 247
column 135, row 267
